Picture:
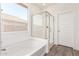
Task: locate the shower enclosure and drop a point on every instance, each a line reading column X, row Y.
column 43, row 27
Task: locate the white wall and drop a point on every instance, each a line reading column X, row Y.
column 33, row 9
column 77, row 30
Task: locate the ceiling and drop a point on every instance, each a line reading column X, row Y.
column 45, row 5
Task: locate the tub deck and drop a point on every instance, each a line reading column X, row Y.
column 26, row 47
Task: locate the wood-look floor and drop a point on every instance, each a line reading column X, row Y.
column 59, row 50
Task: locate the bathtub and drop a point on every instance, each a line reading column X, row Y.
column 31, row 47
column 21, row 44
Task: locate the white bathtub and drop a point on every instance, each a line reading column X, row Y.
column 31, row 47
column 20, row 44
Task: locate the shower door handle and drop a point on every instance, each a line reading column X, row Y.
column 4, row 52
column 47, row 27
column 58, row 30
column 3, row 49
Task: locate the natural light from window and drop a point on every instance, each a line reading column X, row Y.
column 14, row 17
column 14, row 10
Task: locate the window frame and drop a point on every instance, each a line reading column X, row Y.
column 24, row 6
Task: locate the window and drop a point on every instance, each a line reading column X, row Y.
column 14, row 17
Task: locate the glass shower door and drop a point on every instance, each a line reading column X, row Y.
column 43, row 27
column 37, row 26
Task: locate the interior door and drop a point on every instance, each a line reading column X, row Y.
column 66, row 29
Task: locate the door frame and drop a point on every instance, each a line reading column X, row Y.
column 53, row 30
column 49, row 29
column 68, row 11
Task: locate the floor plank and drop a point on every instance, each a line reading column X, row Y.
column 60, row 50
